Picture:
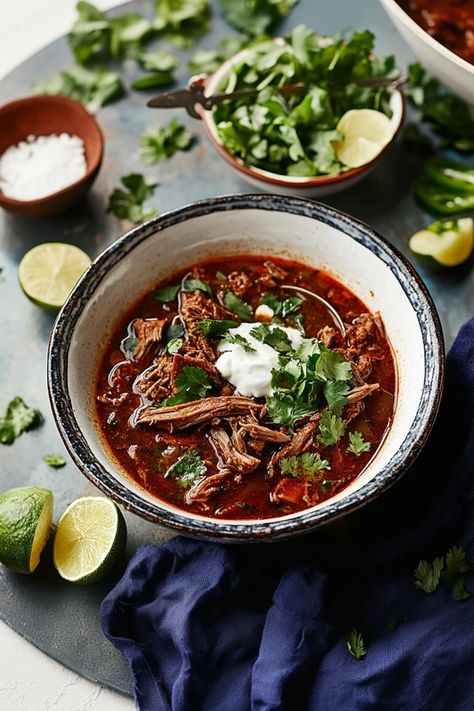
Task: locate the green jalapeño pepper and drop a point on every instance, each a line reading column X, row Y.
column 440, row 201
column 450, row 174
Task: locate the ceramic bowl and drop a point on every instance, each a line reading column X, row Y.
column 441, row 62
column 43, row 115
column 314, row 187
column 246, row 224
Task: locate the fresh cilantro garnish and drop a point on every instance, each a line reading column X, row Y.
column 129, row 344
column 275, row 337
column 92, row 87
column 456, row 566
column 193, row 383
column 304, row 466
column 239, row 341
column 281, row 307
column 238, row 307
column 167, row 293
column 331, row 429
column 215, row 329
column 182, row 21
column 163, row 142
column 128, row 204
column 198, row 285
column 205, row 61
column 151, row 81
column 257, row 16
column 220, row 276
column 355, row 644
column 176, row 330
column 307, row 348
column 335, row 392
column 459, row 592
column 17, row 418
column 332, row 365
column 299, row 323
column 188, row 469
column 357, row 444
column 54, row 460
column 160, row 63
column 427, row 575
column 173, row 346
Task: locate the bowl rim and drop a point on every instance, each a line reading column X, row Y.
column 91, row 167
column 396, row 9
column 253, row 529
column 267, row 176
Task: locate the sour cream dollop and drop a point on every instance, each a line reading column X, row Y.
column 251, row 372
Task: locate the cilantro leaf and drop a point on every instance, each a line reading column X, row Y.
column 281, row 307
column 214, row 328
column 128, row 204
column 307, row 348
column 255, row 17
column 198, row 285
column 205, row 61
column 357, row 444
column 54, row 460
column 459, row 592
column 304, row 466
column 129, row 344
column 332, row 365
column 272, row 336
column 92, row 87
column 239, row 341
column 238, row 307
column 174, row 345
column 285, row 409
column 18, row 418
column 299, row 323
column 176, row 330
column 456, row 565
column 193, row 383
column 181, row 21
column 163, row 142
column 167, row 293
column 188, row 469
column 427, row 575
column 355, row 644
column 331, row 429
column 160, row 60
column 335, row 392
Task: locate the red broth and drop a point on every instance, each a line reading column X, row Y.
column 146, row 452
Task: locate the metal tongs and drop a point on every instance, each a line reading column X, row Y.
column 193, row 95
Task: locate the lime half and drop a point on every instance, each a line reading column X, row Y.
column 447, row 247
column 365, row 133
column 48, row 272
column 90, row 540
column 25, row 524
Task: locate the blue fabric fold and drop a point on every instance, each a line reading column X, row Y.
column 208, row 627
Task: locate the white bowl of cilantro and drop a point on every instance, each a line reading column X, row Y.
column 323, row 136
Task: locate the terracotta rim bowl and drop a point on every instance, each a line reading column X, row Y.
column 43, row 115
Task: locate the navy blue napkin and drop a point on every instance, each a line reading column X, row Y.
column 208, row 627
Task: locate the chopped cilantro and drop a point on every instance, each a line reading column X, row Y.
column 173, row 346
column 92, row 87
column 307, row 348
column 331, row 429
column 160, row 60
column 456, row 566
column 193, row 383
column 273, row 336
column 355, row 644
column 281, row 307
column 176, row 330
column 205, row 61
column 198, row 285
column 182, row 21
column 17, row 418
column 239, row 341
column 128, row 204
column 459, row 592
column 305, row 466
column 332, row 365
column 188, row 469
column 238, row 307
column 427, row 575
column 167, row 293
column 357, row 444
column 54, row 460
column 335, row 392
column 299, row 323
column 164, row 141
column 215, row 329
column 257, row 16
column 220, row 276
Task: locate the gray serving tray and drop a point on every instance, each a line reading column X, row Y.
column 59, row 618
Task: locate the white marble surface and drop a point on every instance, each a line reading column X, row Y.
column 29, row 680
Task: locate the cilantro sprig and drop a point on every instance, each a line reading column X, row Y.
column 304, row 466
column 128, row 204
column 17, row 418
column 164, row 141
column 215, row 328
column 331, row 429
column 281, row 307
column 92, row 87
column 272, row 336
column 167, row 293
column 357, row 444
column 193, row 384
column 450, row 569
column 239, row 340
column 188, row 469
column 355, row 644
column 239, row 307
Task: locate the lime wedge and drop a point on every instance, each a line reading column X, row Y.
column 90, row 540
column 365, row 133
column 48, row 273
column 449, row 245
column 25, row 524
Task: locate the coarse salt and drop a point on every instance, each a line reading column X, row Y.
column 41, row 166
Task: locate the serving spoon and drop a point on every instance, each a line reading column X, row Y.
column 306, row 292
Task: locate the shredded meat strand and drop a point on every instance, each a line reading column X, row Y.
column 300, row 442
column 264, row 433
column 362, row 391
column 155, row 382
column 207, row 488
column 194, row 307
column 229, row 455
column 148, row 332
column 188, row 414
column 239, row 282
column 327, row 335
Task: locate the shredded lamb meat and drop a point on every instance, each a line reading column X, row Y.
column 155, row 382
column 361, row 392
column 364, row 335
column 148, row 332
column 239, row 282
column 179, row 417
column 180, row 361
column 272, row 275
column 229, row 454
column 327, row 335
column 293, row 492
column 301, row 442
column 194, row 307
column 207, row 488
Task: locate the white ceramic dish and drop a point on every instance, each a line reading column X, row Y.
column 314, row 187
column 242, row 224
column 451, row 70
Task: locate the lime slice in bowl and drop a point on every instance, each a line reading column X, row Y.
column 365, row 133
column 25, row 525
column 48, row 273
column 450, row 246
column 90, row 540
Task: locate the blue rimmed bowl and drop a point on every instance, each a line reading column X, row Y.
column 247, row 224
